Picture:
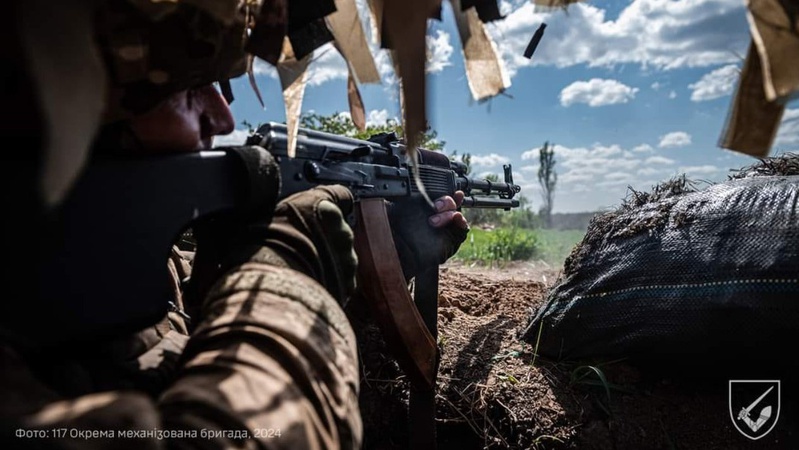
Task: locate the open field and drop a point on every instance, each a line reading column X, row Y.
column 551, row 246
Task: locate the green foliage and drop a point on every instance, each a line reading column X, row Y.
column 341, row 124
column 513, row 245
column 551, row 246
column 501, row 245
column 585, row 375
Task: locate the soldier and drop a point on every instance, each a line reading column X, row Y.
column 272, row 361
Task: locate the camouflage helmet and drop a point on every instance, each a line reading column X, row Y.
column 153, row 48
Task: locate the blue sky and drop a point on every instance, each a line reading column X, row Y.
column 632, row 92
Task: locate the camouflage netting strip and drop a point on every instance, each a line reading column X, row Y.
column 293, row 79
column 357, row 110
column 769, row 78
column 347, row 28
column 484, row 71
column 543, row 6
column 775, row 32
column 753, row 121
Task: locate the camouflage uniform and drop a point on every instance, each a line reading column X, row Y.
column 272, row 356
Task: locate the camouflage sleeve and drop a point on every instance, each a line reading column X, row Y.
column 273, row 364
column 274, row 355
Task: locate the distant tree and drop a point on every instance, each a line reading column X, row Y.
column 547, row 178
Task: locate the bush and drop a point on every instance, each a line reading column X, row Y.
column 512, row 245
column 503, row 245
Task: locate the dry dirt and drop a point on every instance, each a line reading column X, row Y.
column 493, row 392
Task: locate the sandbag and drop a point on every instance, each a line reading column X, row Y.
column 683, row 278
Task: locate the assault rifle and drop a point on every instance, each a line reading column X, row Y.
column 376, row 168
column 102, row 271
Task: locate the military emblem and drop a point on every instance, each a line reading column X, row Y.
column 754, row 406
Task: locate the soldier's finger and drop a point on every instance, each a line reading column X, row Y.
column 460, row 221
column 445, row 203
column 339, row 195
column 442, row 219
column 459, row 196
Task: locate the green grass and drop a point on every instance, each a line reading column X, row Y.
column 501, row 244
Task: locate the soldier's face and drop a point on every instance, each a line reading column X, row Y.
column 186, row 121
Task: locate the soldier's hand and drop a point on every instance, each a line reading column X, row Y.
column 308, row 233
column 425, row 237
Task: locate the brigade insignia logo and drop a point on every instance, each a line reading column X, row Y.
column 754, row 406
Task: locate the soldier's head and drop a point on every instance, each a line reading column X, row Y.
column 162, row 62
column 83, row 66
column 185, row 121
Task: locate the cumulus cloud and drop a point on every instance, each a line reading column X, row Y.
column 788, row 134
column 672, row 95
column 658, row 33
column 377, row 117
column 326, row 65
column 597, row 92
column 700, row 170
column 439, row 51
column 593, row 177
column 531, row 154
column 656, row 86
column 675, row 139
column 659, row 160
column 237, row 137
column 715, row 84
column 489, row 160
column 649, row 171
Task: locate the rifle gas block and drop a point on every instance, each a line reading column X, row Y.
column 376, row 168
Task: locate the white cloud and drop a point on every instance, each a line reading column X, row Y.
column 593, row 177
column 649, row 171
column 531, row 154
column 659, row 160
column 377, row 117
column 618, row 176
column 326, row 65
column 439, row 51
column 643, row 148
column 489, row 160
column 788, row 134
column 675, row 139
column 597, row 92
column 237, row 137
column 663, row 34
column 715, row 84
column 672, row 95
column 700, row 170
column 656, row 86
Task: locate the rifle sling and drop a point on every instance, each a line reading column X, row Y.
column 383, row 283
